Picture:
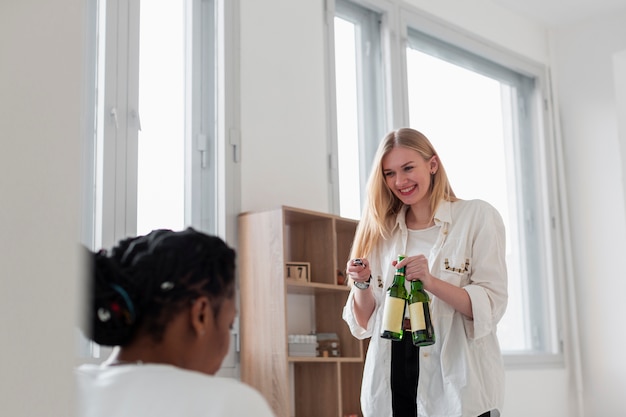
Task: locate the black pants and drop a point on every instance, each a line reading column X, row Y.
column 405, row 369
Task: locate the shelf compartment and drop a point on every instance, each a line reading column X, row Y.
column 351, row 374
column 308, row 238
column 316, row 389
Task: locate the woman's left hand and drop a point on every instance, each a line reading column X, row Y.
column 416, row 268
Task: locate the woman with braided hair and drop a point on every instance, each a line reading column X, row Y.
column 166, row 302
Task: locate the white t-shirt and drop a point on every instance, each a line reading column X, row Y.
column 153, row 390
column 419, row 243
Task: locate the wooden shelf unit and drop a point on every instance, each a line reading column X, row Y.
column 321, row 386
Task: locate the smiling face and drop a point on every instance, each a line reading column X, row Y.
column 408, row 175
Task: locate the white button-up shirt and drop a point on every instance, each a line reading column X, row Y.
column 462, row 374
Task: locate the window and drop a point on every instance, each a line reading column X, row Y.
column 484, row 112
column 359, row 100
column 152, row 160
column 481, row 117
column 154, row 154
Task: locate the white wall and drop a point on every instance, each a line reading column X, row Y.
column 41, row 72
column 619, row 72
column 283, row 116
column 494, row 24
column 586, row 57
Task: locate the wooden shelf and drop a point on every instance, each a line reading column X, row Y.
column 323, row 386
column 298, row 287
column 318, row 359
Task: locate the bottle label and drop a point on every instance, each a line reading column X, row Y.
column 393, row 314
column 418, row 319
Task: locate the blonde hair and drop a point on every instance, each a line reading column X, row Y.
column 382, row 206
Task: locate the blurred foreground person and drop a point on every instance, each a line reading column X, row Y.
column 166, row 301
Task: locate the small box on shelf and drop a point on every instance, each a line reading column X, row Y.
column 299, row 271
column 302, row 345
column 328, row 345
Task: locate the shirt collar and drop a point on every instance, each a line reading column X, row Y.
column 444, row 212
column 443, row 215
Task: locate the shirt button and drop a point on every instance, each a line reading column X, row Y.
column 425, row 354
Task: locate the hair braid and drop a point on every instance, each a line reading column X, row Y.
column 146, row 280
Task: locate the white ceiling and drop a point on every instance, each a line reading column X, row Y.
column 562, row 12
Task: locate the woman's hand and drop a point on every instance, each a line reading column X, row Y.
column 364, row 303
column 416, row 268
column 358, row 269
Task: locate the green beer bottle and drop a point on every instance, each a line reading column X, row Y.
column 393, row 312
column 422, row 330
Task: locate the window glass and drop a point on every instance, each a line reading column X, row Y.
column 477, row 115
column 359, row 99
column 161, row 142
column 154, row 155
column 347, row 118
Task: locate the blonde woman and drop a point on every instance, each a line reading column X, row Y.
column 457, row 249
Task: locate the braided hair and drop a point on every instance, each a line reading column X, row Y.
column 145, row 281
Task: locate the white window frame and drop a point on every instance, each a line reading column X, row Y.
column 397, row 18
column 372, row 115
column 114, row 163
column 212, row 200
column 537, row 238
column 116, row 154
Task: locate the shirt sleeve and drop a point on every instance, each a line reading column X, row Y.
column 348, row 310
column 348, row 316
column 488, row 285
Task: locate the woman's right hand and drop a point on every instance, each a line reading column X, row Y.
column 358, row 269
column 364, row 303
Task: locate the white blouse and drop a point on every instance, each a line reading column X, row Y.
column 462, row 374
